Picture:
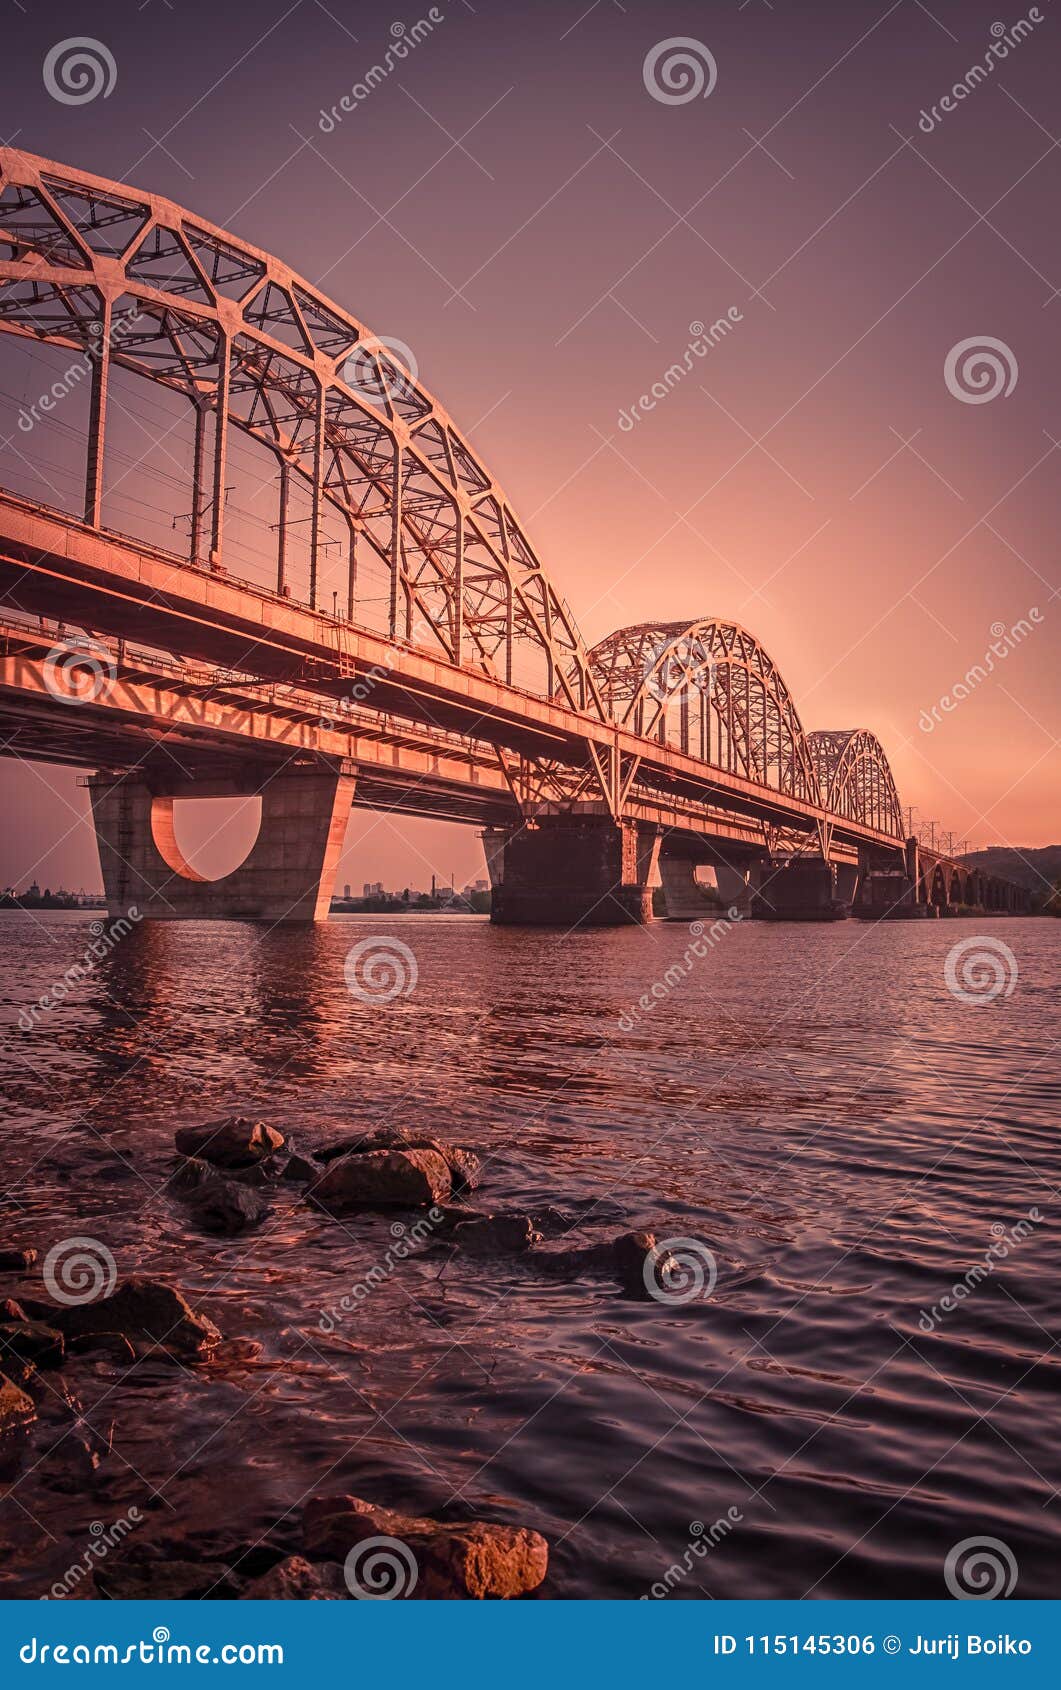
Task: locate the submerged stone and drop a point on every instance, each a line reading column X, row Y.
column 473, row 1559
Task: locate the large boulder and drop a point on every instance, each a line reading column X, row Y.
column 16, row 1408
column 16, row 1261
column 298, row 1580
column 623, row 1258
column 464, row 1165
column 236, row 1142
column 470, row 1559
column 381, row 1179
column 149, row 1313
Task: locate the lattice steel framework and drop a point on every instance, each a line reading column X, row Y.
column 855, row 778
column 710, row 689
column 129, row 279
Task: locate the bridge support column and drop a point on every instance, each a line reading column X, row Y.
column 803, row 889
column 494, row 840
column 287, row 876
column 576, row 872
column 738, row 888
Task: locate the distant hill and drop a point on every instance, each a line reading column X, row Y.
column 1024, row 867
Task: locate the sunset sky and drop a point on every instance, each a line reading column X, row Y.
column 516, row 206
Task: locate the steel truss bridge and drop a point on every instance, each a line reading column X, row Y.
column 448, row 678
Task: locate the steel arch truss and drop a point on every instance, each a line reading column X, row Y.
column 130, row 279
column 855, row 779
column 710, row 689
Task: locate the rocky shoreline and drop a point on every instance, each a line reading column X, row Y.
column 226, row 1175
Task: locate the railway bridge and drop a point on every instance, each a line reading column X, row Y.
column 401, row 647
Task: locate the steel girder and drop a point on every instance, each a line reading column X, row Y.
column 710, row 688
column 127, row 278
column 855, row 778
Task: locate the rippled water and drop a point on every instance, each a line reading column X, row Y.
column 812, row 1103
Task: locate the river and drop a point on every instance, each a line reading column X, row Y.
column 813, row 1105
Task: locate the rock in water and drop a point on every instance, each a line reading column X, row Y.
column 298, row 1580
column 471, row 1559
column 464, row 1165
column 237, row 1142
column 400, row 1179
column 16, row 1408
column 493, row 1235
column 224, row 1206
column 148, row 1312
column 126, row 1580
column 16, row 1261
column 28, row 1340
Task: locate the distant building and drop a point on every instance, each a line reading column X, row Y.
column 373, row 889
column 346, row 890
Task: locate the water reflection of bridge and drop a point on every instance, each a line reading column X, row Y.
column 453, row 682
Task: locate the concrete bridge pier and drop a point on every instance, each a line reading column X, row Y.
column 686, row 899
column 800, row 889
column 574, row 871
column 287, row 876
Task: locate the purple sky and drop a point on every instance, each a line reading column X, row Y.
column 516, row 206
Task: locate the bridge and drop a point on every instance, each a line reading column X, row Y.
column 447, row 678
